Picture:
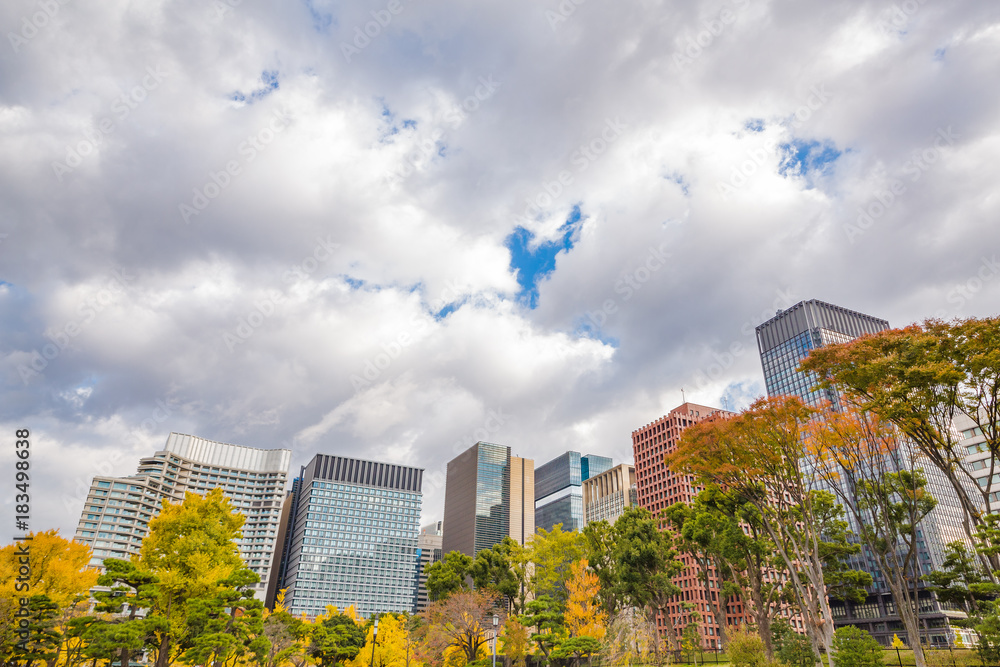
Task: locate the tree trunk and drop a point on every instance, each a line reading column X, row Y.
column 163, row 653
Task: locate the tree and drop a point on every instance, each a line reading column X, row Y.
column 584, row 617
column 919, row 378
column 457, row 622
column 515, row 641
column 60, row 568
column 391, row 648
column 227, row 626
column 449, row 575
column 336, row 639
column 746, row 649
column 43, row 640
column 493, row 570
column 854, row 647
column 876, row 480
column 191, row 549
column 553, row 552
column 790, row 647
column 760, row 456
column 647, row 565
column 129, row 589
column 543, row 614
column 599, row 537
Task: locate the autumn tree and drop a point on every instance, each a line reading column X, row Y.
column 552, row 554
column 760, row 455
column 391, row 648
column 875, row 477
column 456, row 622
column 515, row 641
column 920, row 378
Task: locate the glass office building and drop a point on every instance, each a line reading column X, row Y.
column 559, row 489
column 489, row 495
column 353, row 537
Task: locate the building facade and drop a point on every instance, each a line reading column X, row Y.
column 658, row 487
column 606, row 495
column 429, row 545
column 559, row 489
column 784, row 341
column 489, row 495
column 118, row 510
column 352, row 538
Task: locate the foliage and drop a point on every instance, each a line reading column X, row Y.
column 336, row 639
column 790, row 647
column 552, row 553
column 60, row 568
column 391, row 647
column 515, row 641
column 448, row 575
column 583, row 617
column 544, row 616
column 854, row 647
column 456, row 623
column 495, row 570
column 746, row 649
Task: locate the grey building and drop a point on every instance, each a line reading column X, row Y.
column 784, row 341
column 559, row 489
column 117, row 512
column 429, row 545
column 489, row 495
column 606, row 495
column 352, row 537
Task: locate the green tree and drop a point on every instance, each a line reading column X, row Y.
column 854, row 647
column 746, row 649
column 227, row 626
column 545, row 616
column 336, row 639
column 599, row 537
column 494, row 570
column 790, row 648
column 128, row 589
column 449, row 575
column 647, row 565
column 553, row 553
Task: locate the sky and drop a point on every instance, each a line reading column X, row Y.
column 390, row 229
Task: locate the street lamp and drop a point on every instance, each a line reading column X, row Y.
column 374, row 640
column 496, row 622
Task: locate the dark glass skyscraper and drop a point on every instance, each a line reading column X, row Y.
column 488, row 495
column 559, row 489
column 353, row 537
column 788, row 337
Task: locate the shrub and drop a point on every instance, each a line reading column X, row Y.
column 853, row 647
column 790, row 647
column 746, row 649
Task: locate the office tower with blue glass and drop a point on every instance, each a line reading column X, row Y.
column 489, row 495
column 559, row 489
column 353, row 537
column 784, row 341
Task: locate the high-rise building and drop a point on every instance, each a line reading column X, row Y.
column 430, row 547
column 606, row 495
column 488, row 495
column 788, row 337
column 658, row 487
column 559, row 490
column 352, row 537
column 784, row 341
column 116, row 515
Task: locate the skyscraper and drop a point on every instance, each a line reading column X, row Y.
column 353, row 537
column 489, row 495
column 559, row 490
column 116, row 516
column 658, row 487
column 429, row 545
column 788, row 337
column 784, row 341
column 606, row 495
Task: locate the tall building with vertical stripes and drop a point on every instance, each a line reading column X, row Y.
column 352, row 537
column 489, row 495
column 118, row 510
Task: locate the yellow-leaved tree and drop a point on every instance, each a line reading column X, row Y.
column 390, row 649
column 584, row 616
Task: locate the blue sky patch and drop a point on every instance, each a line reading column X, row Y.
column 320, row 20
column 532, row 265
column 806, row 159
column 270, row 80
column 754, row 125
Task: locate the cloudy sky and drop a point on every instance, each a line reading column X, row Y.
column 387, row 229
